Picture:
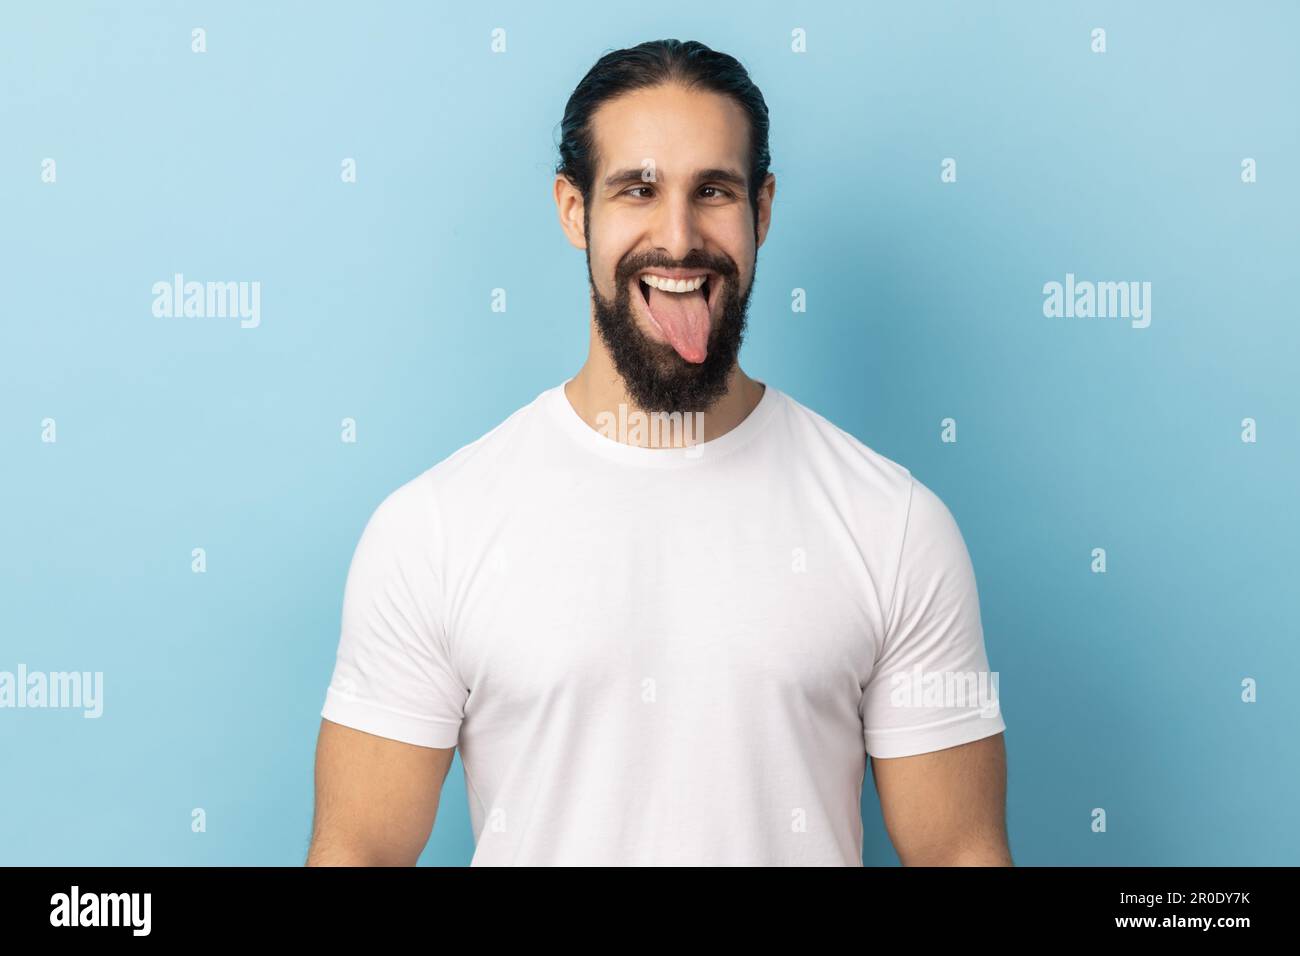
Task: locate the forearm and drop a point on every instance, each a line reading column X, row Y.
column 333, row 852
column 990, row 853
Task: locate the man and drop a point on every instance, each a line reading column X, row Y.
column 663, row 650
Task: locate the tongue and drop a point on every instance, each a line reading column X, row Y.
column 684, row 318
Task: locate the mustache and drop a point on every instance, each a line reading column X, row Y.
column 630, row 268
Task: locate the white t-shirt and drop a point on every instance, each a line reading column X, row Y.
column 664, row 656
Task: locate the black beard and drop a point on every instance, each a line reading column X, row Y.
column 656, row 377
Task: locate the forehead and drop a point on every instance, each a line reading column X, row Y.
column 681, row 130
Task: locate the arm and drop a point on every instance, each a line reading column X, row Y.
column 947, row 807
column 376, row 798
column 392, row 713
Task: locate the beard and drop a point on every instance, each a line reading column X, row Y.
column 655, row 376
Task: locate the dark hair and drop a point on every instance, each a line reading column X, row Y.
column 690, row 64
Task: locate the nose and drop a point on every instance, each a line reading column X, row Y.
column 676, row 226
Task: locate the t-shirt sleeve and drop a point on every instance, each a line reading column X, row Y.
column 393, row 676
column 931, row 687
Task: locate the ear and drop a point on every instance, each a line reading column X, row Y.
column 766, row 194
column 570, row 206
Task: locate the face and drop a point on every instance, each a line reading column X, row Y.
column 671, row 242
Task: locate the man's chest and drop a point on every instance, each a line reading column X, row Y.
column 621, row 600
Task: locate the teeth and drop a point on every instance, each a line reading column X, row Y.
column 674, row 285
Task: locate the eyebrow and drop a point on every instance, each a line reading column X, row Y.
column 632, row 176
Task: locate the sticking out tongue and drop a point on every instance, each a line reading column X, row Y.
column 684, row 318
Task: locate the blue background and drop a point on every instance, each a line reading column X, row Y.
column 1121, row 690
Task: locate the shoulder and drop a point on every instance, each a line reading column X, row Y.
column 924, row 519
column 838, row 455
column 467, row 472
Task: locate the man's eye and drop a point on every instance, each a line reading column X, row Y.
column 721, row 193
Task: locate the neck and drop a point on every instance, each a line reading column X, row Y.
column 598, row 390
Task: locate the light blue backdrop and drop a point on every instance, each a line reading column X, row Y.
column 1121, row 690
